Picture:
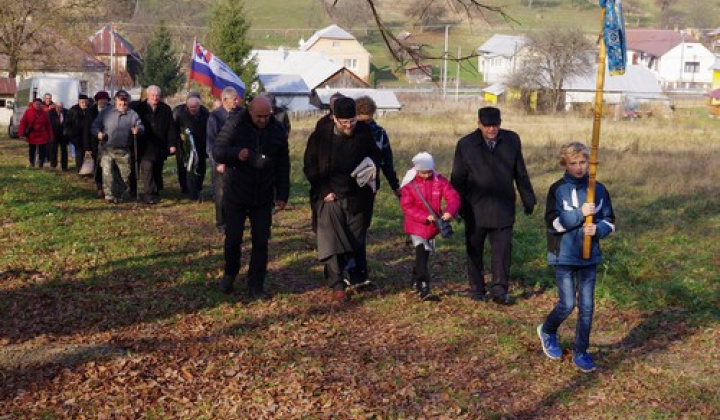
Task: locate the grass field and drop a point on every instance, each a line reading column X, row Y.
column 111, row 312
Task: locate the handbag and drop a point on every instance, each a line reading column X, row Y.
column 446, row 229
column 29, row 127
column 88, row 165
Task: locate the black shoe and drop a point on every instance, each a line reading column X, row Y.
column 226, row 283
column 479, row 297
column 151, row 200
column 258, row 293
column 504, row 300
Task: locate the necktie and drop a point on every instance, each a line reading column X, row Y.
column 491, row 144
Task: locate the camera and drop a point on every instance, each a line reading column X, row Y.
column 258, row 161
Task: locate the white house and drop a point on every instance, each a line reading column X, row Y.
column 500, row 56
column 679, row 61
column 291, row 75
column 386, row 100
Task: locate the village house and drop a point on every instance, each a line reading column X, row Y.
column 678, row 59
column 8, row 87
column 118, row 54
column 500, row 56
column 61, row 58
column 341, row 47
column 291, row 75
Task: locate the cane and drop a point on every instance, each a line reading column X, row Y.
column 137, row 170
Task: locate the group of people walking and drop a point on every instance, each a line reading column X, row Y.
column 249, row 162
column 126, row 141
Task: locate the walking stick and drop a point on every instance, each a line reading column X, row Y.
column 137, row 170
column 592, row 172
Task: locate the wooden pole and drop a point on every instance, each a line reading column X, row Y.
column 587, row 243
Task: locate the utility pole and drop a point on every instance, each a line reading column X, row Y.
column 445, row 57
column 112, row 60
column 457, row 76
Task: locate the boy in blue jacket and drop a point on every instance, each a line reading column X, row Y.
column 565, row 212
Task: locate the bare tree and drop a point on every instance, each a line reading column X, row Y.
column 350, row 15
column 21, row 22
column 471, row 8
column 554, row 56
column 426, row 13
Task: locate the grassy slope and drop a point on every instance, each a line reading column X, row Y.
column 114, row 310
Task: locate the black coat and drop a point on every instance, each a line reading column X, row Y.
column 58, row 127
column 484, row 178
column 197, row 124
column 77, row 126
column 319, row 168
column 265, row 176
column 160, row 130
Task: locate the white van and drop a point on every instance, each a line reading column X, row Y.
column 63, row 89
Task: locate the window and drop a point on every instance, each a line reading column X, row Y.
column 336, row 44
column 84, row 86
column 692, row 67
column 3, row 103
column 351, row 63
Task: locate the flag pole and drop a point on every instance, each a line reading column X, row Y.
column 595, row 134
column 192, row 54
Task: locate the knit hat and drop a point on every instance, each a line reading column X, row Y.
column 344, row 108
column 82, row 96
column 489, row 115
column 102, row 95
column 423, row 162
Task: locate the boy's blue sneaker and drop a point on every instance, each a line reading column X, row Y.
column 549, row 344
column 584, row 362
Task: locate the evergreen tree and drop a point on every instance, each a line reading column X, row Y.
column 228, row 40
column 161, row 66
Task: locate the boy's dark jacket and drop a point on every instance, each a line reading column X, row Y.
column 564, row 221
column 254, row 183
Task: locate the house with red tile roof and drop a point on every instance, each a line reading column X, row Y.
column 680, row 61
column 117, row 53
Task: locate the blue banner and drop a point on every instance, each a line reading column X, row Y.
column 614, row 36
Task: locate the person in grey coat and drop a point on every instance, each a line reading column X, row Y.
column 487, row 167
column 117, row 129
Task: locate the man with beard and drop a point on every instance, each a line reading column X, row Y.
column 253, row 146
column 154, row 144
column 334, row 152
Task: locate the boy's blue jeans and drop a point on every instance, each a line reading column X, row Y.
column 567, row 277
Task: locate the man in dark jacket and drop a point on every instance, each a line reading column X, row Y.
column 154, row 144
column 487, row 163
column 217, row 119
column 192, row 128
column 178, row 112
column 342, row 206
column 92, row 143
column 77, row 129
column 58, row 120
column 253, row 146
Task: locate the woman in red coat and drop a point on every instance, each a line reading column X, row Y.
column 35, row 127
column 421, row 223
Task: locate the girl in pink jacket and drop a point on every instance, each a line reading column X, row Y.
column 420, row 223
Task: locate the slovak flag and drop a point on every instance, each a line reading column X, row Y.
column 207, row 69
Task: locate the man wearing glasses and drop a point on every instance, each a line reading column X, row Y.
column 488, row 164
column 333, row 152
column 116, row 128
